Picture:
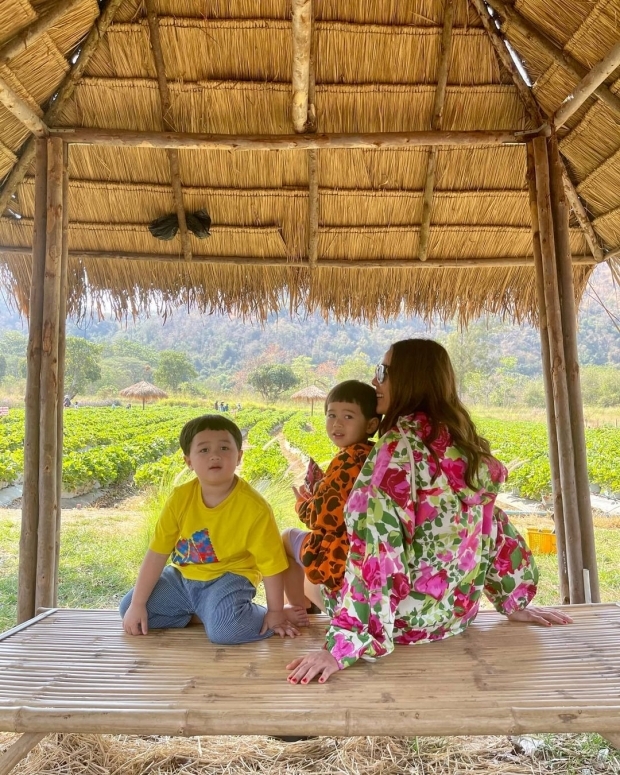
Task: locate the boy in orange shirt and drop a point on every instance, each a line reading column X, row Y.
column 317, row 556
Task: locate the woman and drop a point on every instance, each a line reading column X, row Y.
column 426, row 539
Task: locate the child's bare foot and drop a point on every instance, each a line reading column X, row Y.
column 296, row 615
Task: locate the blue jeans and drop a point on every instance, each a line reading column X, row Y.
column 224, row 606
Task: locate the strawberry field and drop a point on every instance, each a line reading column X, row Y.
column 106, row 445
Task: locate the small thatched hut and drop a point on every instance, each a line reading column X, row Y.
column 371, row 159
column 310, row 395
column 143, row 391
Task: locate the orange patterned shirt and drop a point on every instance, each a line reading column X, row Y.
column 325, row 549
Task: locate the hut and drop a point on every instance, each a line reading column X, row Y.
column 143, row 391
column 310, row 394
column 367, row 160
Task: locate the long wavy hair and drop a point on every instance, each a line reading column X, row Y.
column 421, row 379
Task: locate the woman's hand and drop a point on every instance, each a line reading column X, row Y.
column 536, row 614
column 304, row 669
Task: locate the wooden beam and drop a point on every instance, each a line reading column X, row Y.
column 560, row 208
column 499, row 44
column 369, row 141
column 611, row 254
column 27, row 574
column 339, row 263
column 586, row 87
column 552, row 49
column 27, row 36
column 22, row 110
column 49, row 491
column 440, row 97
column 65, row 90
column 302, row 45
column 566, row 456
column 552, row 436
column 20, row 749
column 582, row 217
column 166, row 113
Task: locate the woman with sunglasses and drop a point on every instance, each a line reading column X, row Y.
column 426, row 539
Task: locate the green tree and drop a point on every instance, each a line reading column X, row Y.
column 356, row 366
column 82, row 364
column 174, row 368
column 304, row 370
column 2, row 367
column 272, row 379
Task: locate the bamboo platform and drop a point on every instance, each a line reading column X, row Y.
column 76, row 671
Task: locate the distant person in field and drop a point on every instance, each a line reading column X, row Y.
column 221, row 538
column 426, row 540
column 317, row 556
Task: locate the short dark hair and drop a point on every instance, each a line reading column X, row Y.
column 208, row 422
column 355, row 392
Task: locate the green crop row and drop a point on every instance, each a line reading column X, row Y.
column 308, row 436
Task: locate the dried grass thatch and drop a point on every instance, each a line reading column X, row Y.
column 129, row 755
column 143, row 391
column 310, row 394
column 229, row 70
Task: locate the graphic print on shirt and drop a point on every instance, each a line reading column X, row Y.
column 195, row 550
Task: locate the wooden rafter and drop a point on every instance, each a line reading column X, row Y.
column 588, row 85
column 339, row 263
column 22, row 110
column 65, row 90
column 369, row 140
column 440, row 97
column 26, row 37
column 536, row 117
column 302, row 45
column 166, row 112
column 561, row 57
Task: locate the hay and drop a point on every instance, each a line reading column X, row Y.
column 129, row 755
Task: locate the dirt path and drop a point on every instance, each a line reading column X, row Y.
column 296, row 465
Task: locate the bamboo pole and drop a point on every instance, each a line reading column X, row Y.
column 30, row 492
column 48, row 484
column 569, row 329
column 586, row 87
column 166, row 113
column 22, row 110
column 371, row 263
column 62, row 326
column 27, row 36
column 440, row 97
column 582, row 216
column 566, row 457
column 302, row 46
column 371, row 140
column 561, row 57
column 20, row 749
column 556, row 487
column 313, row 155
column 65, row 91
column 506, row 59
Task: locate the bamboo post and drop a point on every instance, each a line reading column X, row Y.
column 65, row 91
column 302, row 46
column 30, row 492
column 48, row 471
column 569, row 328
column 557, row 54
column 582, row 216
column 440, row 97
column 556, row 487
column 166, row 111
column 586, row 87
column 20, row 749
column 62, row 327
column 574, row 557
column 313, row 154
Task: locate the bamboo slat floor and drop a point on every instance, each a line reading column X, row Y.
column 76, row 671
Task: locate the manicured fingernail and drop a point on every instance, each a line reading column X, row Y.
column 304, row 680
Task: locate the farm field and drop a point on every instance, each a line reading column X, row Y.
column 107, row 445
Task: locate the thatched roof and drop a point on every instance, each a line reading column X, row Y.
column 311, row 393
column 229, row 69
column 143, row 391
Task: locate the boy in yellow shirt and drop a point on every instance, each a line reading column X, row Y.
column 221, row 537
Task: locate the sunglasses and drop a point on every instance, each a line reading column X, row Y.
column 381, row 372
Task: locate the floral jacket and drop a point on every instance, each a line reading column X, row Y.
column 423, row 548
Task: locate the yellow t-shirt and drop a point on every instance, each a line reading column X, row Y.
column 239, row 535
